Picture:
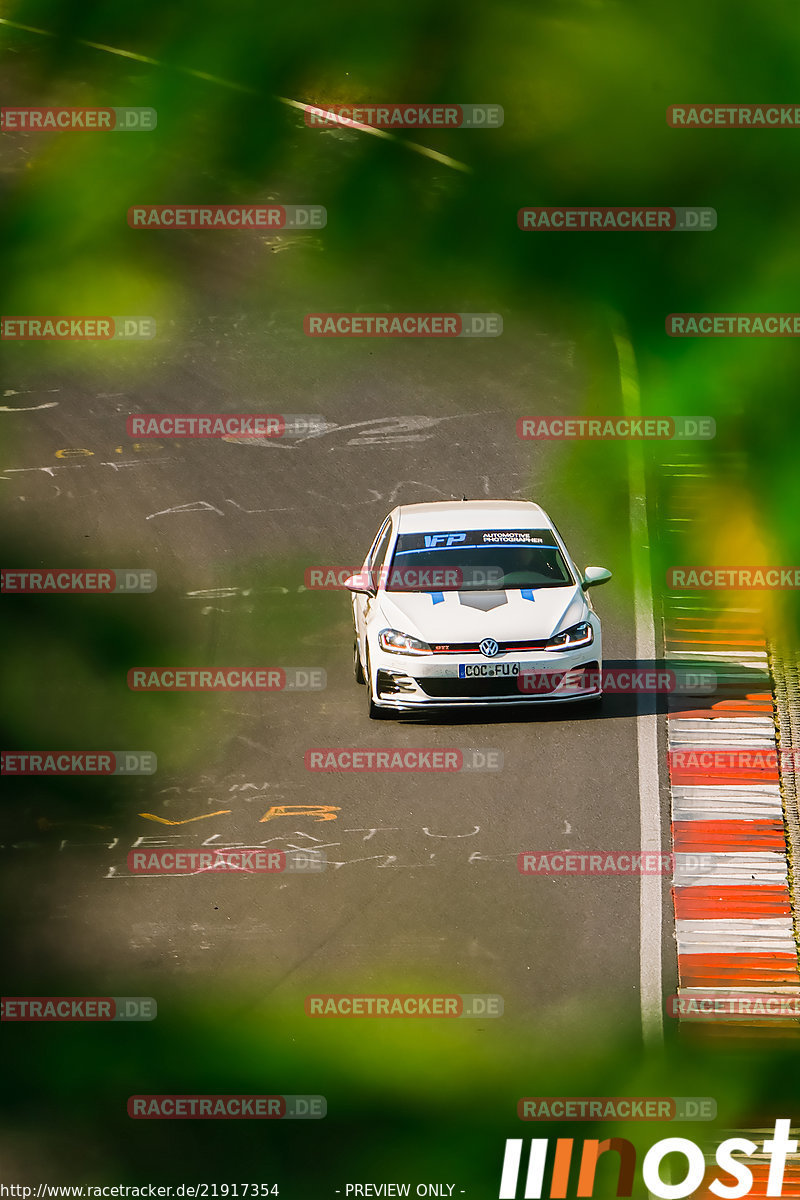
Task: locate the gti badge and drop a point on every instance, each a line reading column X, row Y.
column 489, row 647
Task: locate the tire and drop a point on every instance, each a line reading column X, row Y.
column 373, row 711
column 358, row 670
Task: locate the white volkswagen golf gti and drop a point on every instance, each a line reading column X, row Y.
column 473, row 602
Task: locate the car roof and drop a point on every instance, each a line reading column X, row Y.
column 471, row 514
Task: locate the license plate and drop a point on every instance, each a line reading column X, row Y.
column 487, row 670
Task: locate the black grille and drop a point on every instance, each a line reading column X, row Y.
column 389, row 684
column 465, row 689
column 543, row 680
column 510, row 687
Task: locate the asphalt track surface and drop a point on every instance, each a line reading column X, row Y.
column 422, row 890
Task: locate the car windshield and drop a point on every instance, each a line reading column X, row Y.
column 477, row 561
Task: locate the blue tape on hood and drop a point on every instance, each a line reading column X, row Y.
column 527, row 594
column 437, row 597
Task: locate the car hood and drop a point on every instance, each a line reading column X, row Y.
column 513, row 615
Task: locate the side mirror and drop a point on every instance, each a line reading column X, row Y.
column 592, row 576
column 363, row 583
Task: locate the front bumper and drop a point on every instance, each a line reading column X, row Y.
column 405, row 682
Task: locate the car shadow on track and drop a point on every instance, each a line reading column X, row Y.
column 712, row 686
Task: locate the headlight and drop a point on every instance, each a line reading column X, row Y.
column 570, row 639
column 401, row 643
